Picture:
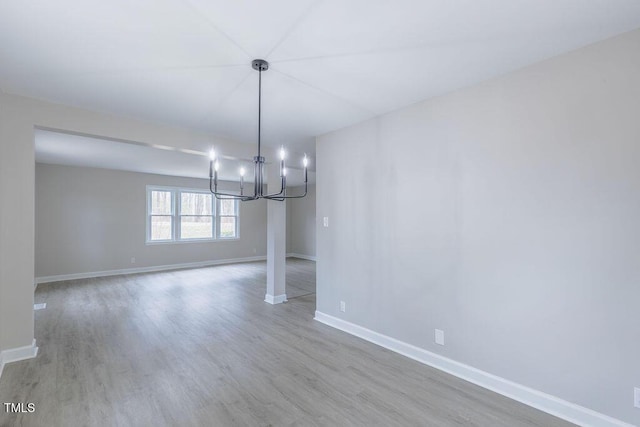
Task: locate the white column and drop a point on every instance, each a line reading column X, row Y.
column 276, row 240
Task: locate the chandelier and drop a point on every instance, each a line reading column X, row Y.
column 258, row 162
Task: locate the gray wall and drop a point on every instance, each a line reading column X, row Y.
column 301, row 223
column 16, row 227
column 18, row 118
column 90, row 220
column 505, row 214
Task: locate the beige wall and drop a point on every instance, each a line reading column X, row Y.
column 301, row 223
column 505, row 214
column 91, row 220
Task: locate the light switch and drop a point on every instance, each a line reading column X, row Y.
column 325, row 221
column 439, row 337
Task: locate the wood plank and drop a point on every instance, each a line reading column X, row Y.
column 200, row 347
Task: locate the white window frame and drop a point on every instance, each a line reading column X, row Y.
column 150, row 215
column 220, row 216
column 176, row 215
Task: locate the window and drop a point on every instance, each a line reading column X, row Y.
column 196, row 216
column 228, row 215
column 184, row 215
column 160, row 220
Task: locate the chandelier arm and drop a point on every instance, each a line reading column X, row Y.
column 235, row 197
column 283, row 197
column 287, row 197
column 281, row 193
column 283, row 189
column 272, row 196
column 231, row 196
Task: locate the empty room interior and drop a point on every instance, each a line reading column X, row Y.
column 320, row 213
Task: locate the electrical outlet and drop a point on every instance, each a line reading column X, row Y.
column 133, row 260
column 325, row 221
column 636, row 397
column 439, row 337
column 343, row 306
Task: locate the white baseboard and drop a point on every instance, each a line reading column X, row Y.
column 92, row 274
column 275, row 299
column 17, row 354
column 537, row 399
column 307, row 257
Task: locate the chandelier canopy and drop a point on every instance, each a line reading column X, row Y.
column 258, row 162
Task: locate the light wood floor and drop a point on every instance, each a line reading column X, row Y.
column 200, row 347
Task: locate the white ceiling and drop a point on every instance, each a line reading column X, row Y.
column 86, row 151
column 333, row 62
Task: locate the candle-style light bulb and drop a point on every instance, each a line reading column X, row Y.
column 284, row 171
column 214, row 165
column 242, row 171
column 305, row 161
column 212, row 154
column 282, row 153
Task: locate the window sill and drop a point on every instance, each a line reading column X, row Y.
column 181, row 242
